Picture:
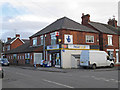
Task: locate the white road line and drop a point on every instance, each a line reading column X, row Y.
column 22, row 74
column 104, row 79
column 58, row 83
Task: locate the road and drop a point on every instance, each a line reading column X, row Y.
column 75, row 78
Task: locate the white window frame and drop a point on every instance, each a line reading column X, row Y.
column 22, row 57
column 110, row 40
column 8, row 47
column 89, row 36
column 18, row 57
column 53, row 38
column 35, row 41
column 3, row 48
column 41, row 38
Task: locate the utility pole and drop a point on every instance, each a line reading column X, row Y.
column 44, row 36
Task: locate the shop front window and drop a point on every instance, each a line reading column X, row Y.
column 57, row 59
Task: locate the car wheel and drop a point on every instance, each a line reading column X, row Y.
column 111, row 65
column 93, row 66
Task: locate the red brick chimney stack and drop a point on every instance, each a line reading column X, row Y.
column 85, row 18
column 17, row 35
column 112, row 22
column 8, row 38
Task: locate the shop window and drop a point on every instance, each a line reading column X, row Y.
column 57, row 59
column 109, row 39
column 53, row 38
column 35, row 41
column 89, row 39
column 18, row 57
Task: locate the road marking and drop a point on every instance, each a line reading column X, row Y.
column 104, row 79
column 58, row 83
column 22, row 74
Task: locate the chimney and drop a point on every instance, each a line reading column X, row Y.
column 112, row 22
column 85, row 18
column 8, row 38
column 17, row 35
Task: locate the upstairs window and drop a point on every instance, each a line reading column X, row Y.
column 41, row 37
column 109, row 39
column 8, row 47
column 35, row 41
column 89, row 39
column 53, row 38
column 3, row 49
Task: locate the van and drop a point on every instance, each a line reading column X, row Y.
column 94, row 58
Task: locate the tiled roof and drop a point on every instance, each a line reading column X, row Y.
column 25, row 48
column 102, row 27
column 64, row 23
column 9, row 41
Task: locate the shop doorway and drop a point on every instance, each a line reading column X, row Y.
column 53, row 59
column 75, row 61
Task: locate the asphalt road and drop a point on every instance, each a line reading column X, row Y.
column 75, row 78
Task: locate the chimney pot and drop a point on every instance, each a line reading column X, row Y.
column 17, row 35
column 8, row 38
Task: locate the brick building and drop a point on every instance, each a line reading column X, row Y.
column 62, row 42
column 108, row 35
column 64, row 36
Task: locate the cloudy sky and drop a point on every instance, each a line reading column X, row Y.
column 27, row 17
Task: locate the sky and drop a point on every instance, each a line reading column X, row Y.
column 26, row 17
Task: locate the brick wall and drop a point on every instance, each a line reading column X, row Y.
column 16, row 44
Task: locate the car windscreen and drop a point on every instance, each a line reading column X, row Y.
column 4, row 60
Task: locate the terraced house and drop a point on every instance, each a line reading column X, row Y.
column 108, row 35
column 62, row 42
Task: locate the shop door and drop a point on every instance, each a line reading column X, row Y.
column 117, row 57
column 53, row 59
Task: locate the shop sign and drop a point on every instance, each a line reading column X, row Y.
column 78, row 46
column 52, row 47
column 68, row 39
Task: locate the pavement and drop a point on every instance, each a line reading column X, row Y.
column 62, row 70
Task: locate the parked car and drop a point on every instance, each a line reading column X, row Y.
column 1, row 72
column 95, row 59
column 4, row 62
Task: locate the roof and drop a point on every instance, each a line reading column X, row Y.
column 9, row 41
column 25, row 40
column 64, row 23
column 25, row 48
column 116, row 30
column 104, row 28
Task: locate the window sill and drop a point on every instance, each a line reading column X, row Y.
column 110, row 45
column 89, row 42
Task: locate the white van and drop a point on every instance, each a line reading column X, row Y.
column 92, row 58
